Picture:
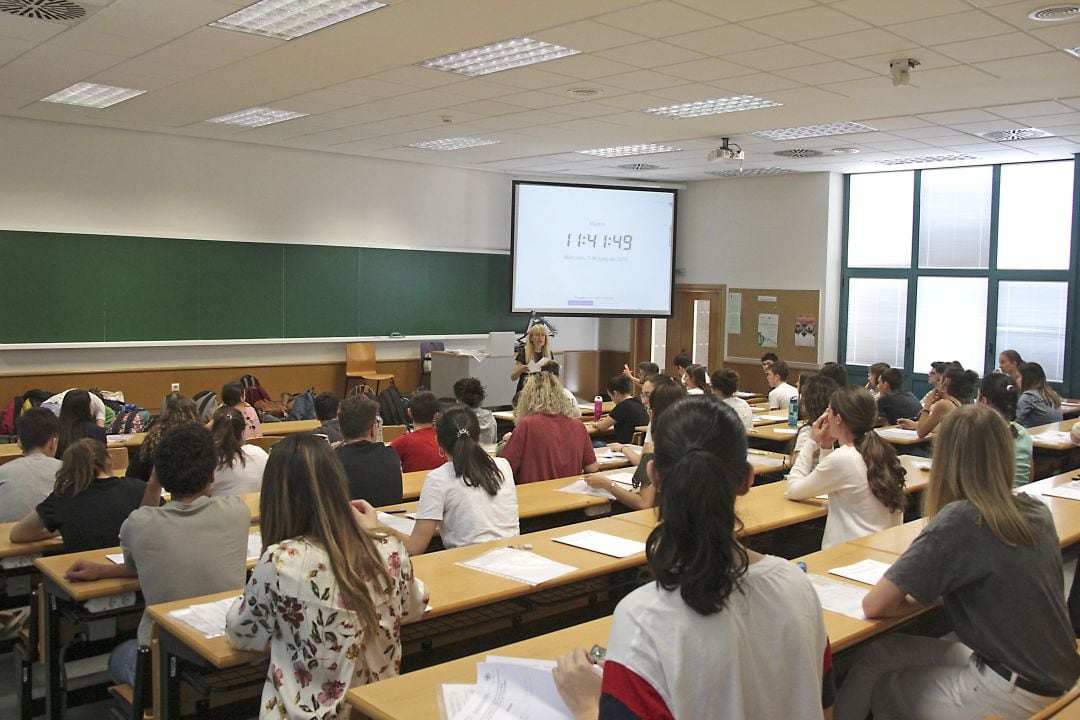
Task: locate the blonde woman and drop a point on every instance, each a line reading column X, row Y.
column 985, row 553
column 330, row 591
column 546, row 442
column 535, row 354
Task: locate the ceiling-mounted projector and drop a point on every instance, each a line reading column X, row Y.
column 727, row 152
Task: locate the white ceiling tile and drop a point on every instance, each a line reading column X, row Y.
column 902, row 122
column 690, row 92
column 1033, row 109
column 956, row 117
column 756, row 84
column 590, row 108
column 994, row 48
column 1057, row 124
column 13, row 27
column 650, row 54
column 977, row 128
column 642, row 80
column 479, row 88
column 897, row 145
column 588, row 36
column 588, row 67
column 537, row 100
column 326, row 99
column 658, row 19
column 370, row 89
column 802, row 96
column 952, row 28
column 738, row 10
column 488, row 108
column 210, row 48
column 777, row 58
column 825, row 73
column 10, row 48
column 525, row 78
column 705, row 70
column 161, row 70
column 1016, row 13
column 884, row 12
column 723, row 40
column 806, row 24
column 1058, row 35
column 1034, row 66
column 418, row 77
column 858, row 44
column 634, row 101
column 106, row 43
column 963, row 76
column 129, row 80
column 868, row 88
column 930, row 131
column 88, row 62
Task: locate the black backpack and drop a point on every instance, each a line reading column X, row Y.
column 393, row 406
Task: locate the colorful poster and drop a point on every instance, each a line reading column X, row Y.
column 805, row 330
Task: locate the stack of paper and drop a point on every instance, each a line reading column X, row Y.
column 520, row 565
column 1052, row 436
column 506, row 689
column 580, row 487
column 206, row 618
column 774, row 417
column 784, row 430
column 1069, row 490
column 755, row 459
column 864, row 571
column 839, row 597
column 603, row 543
column 898, row 433
column 254, row 546
column 397, row 522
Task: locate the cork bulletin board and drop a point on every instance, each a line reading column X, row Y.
column 785, row 322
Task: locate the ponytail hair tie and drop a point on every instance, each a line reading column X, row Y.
column 462, row 431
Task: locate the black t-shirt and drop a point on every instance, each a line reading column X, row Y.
column 628, row 416
column 373, row 471
column 91, row 520
column 897, row 405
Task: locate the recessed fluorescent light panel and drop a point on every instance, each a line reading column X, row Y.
column 751, row 172
column 713, row 107
column 927, row 159
column 810, row 131
column 257, row 117
column 459, row 143
column 627, row 150
column 503, row 55
column 288, row 19
column 91, row 95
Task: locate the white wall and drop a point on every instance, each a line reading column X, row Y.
column 766, row 232
column 79, row 179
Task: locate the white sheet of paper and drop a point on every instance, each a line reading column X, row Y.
column 610, row 455
column 254, row 546
column 117, row 558
column 1052, row 436
column 785, row 430
column 453, row 697
column 1069, row 490
column 897, row 433
column 207, row 618
column 603, row 543
column 776, row 417
column 535, row 365
column 865, row 571
column 519, row 565
column 580, row 487
column 743, row 394
column 921, row 464
column 623, row 478
column 117, row 438
column 765, row 460
column 513, row 691
column 839, row 597
column 397, row 521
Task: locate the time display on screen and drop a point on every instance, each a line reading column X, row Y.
column 600, row 241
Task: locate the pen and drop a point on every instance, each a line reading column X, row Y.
column 395, row 512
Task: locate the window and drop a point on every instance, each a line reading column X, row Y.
column 1035, row 225
column 659, row 342
column 950, row 321
column 701, row 332
column 879, row 225
column 877, row 317
column 954, row 227
column 1031, row 321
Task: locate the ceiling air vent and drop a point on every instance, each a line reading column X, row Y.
column 63, row 10
column 584, row 92
column 1016, row 134
column 799, row 153
column 1055, row 13
column 638, row 166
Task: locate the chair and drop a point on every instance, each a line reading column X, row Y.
column 391, row 433
column 360, row 363
column 130, row 703
column 265, row 441
column 119, row 457
column 426, row 349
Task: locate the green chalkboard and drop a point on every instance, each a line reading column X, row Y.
column 94, row 288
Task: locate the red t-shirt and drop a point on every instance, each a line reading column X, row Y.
column 543, row 447
column 419, row 450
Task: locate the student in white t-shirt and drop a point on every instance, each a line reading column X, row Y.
column 240, row 466
column 722, row 628
column 696, row 380
column 725, row 384
column 862, row 476
column 471, row 497
column 780, row 393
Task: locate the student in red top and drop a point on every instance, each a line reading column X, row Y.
column 547, row 443
column 419, row 450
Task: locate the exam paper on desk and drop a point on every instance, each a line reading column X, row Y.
column 603, row 543
column 519, row 565
column 509, row 689
column 839, row 597
column 865, row 571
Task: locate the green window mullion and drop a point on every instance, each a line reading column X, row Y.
column 990, row 356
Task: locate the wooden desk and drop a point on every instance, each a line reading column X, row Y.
column 11, row 450
column 288, row 427
column 414, row 695
column 775, row 432
column 1061, row 445
column 1066, row 512
column 770, row 418
column 587, row 408
column 17, row 561
column 903, row 441
column 918, row 472
column 894, row 540
column 1070, row 408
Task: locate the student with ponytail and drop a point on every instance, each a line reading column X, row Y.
column 239, row 467
column 471, row 498
column 721, row 623
column 330, row 591
column 88, row 504
column 696, row 380
column 1002, row 393
column 862, row 475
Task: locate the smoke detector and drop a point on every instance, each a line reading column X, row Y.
column 727, row 152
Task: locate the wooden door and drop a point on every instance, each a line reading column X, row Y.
column 696, row 327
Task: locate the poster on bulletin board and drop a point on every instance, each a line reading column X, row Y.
column 768, row 329
column 805, row 330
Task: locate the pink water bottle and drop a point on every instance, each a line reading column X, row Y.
column 597, row 407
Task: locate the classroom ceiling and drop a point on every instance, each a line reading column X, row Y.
column 984, row 66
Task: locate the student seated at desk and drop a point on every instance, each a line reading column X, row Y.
column 419, row 449
column 232, row 396
column 192, row 545
column 1009, row 362
column 680, row 362
column 835, row 372
column 633, row 453
column 77, row 421
column 628, row 413
column 862, row 476
column 696, row 380
column 725, row 384
column 662, row 398
column 471, row 498
column 1039, row 404
column 372, row 470
column 780, row 393
column 1001, row 393
column 176, row 410
column 329, row 593
column 239, row 467
column 722, row 625
column 873, row 376
column 993, row 558
column 546, row 442
column 28, row 480
column 644, row 370
column 893, row 401
column 98, row 410
column 815, row 391
column 956, row 388
column 87, row 505
column 326, row 412
column 469, row 392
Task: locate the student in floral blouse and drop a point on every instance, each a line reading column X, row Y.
column 329, row 593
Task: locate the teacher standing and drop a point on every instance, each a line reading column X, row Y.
column 537, row 349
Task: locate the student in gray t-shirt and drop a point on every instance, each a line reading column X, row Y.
column 193, row 545
column 28, row 480
column 995, row 561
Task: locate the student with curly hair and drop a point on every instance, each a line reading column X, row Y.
column 176, row 410
column 469, row 392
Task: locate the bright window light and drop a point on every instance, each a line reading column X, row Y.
column 625, row 150
column 713, row 107
column 91, row 95
column 810, row 131
column 459, row 143
column 257, row 117
column 503, row 55
column 288, row 19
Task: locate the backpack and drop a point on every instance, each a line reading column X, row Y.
column 303, row 406
column 393, row 406
column 128, row 421
column 249, row 381
column 206, row 402
column 7, row 418
column 257, row 397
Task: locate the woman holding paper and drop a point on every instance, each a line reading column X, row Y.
column 533, row 356
column 721, row 623
column 986, row 553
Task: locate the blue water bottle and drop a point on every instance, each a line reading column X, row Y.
column 793, row 412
